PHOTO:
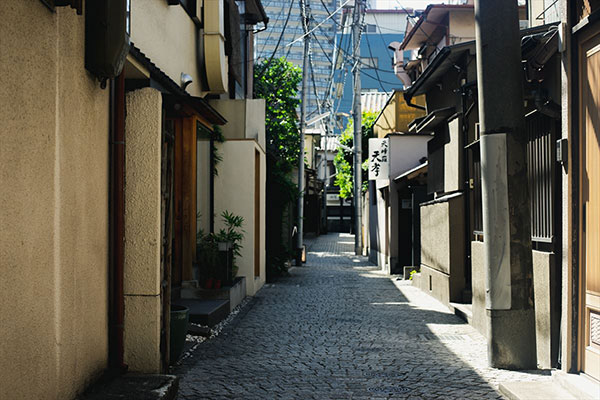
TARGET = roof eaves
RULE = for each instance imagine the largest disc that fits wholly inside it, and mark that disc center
(170, 85)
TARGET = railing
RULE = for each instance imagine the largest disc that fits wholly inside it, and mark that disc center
(541, 132)
(540, 174)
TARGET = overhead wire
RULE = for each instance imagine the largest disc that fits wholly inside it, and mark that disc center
(274, 23)
(279, 40)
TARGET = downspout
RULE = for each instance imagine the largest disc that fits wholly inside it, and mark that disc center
(409, 103)
(117, 223)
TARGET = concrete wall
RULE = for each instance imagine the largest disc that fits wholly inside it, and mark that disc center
(442, 246)
(54, 214)
(167, 35)
(478, 286)
(545, 320)
(142, 230)
(546, 323)
(234, 192)
(453, 160)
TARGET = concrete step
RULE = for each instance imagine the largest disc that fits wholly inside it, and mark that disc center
(582, 386)
(547, 390)
(563, 386)
(134, 387)
(464, 311)
(206, 312)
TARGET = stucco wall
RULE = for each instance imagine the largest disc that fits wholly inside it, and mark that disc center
(167, 35)
(234, 192)
(142, 230)
(54, 214)
(462, 26)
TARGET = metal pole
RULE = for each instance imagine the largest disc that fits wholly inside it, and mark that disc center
(506, 214)
(357, 114)
(326, 177)
(299, 246)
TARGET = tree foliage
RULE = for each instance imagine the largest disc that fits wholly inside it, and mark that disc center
(277, 82)
(344, 161)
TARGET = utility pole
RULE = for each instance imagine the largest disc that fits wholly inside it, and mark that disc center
(326, 169)
(506, 214)
(304, 9)
(357, 114)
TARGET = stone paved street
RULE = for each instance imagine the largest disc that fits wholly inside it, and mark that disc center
(338, 329)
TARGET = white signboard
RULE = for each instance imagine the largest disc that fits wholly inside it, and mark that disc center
(379, 159)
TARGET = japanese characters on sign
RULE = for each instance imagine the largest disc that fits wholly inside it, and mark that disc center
(379, 159)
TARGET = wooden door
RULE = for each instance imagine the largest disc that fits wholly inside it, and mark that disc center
(184, 200)
(589, 90)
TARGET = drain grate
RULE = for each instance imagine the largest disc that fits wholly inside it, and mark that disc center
(388, 389)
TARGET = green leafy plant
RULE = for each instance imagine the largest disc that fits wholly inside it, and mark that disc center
(207, 244)
(343, 160)
(413, 273)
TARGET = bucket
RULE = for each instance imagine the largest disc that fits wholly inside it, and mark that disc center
(179, 325)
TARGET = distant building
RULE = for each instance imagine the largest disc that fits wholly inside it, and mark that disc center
(380, 29)
(321, 43)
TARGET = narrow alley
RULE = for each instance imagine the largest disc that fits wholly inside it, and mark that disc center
(338, 328)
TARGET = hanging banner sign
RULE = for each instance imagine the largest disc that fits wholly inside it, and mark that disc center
(379, 159)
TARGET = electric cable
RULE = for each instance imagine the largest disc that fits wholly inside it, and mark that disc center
(279, 40)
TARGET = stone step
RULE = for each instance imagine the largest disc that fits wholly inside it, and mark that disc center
(206, 312)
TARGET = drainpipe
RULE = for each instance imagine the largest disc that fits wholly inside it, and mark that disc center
(117, 222)
(408, 99)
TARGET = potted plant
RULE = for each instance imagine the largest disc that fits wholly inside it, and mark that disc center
(217, 252)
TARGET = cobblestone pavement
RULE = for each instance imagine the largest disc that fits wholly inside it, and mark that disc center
(338, 329)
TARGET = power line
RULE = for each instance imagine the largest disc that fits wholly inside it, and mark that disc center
(272, 30)
(279, 40)
(320, 23)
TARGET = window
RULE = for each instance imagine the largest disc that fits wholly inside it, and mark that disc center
(371, 28)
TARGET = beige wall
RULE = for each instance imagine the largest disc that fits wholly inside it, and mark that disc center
(142, 230)
(54, 214)
(245, 119)
(167, 35)
(234, 192)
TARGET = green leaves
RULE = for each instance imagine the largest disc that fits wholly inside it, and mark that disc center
(277, 82)
(343, 160)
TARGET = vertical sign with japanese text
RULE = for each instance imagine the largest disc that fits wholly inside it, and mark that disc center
(379, 159)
